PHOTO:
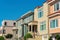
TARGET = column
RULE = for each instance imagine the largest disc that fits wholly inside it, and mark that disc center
(31, 28)
(28, 28)
(24, 30)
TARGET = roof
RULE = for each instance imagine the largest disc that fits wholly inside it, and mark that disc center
(26, 15)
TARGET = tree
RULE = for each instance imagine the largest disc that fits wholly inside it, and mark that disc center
(2, 38)
(50, 38)
(57, 37)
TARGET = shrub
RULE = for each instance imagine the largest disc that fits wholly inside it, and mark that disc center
(9, 36)
(50, 38)
(57, 37)
(28, 35)
(2, 38)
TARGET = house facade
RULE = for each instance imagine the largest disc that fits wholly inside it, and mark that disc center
(22, 23)
(9, 27)
(41, 16)
(54, 17)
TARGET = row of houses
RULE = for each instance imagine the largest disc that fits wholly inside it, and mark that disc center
(42, 23)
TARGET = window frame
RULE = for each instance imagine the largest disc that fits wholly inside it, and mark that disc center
(43, 26)
(55, 6)
(40, 12)
(55, 24)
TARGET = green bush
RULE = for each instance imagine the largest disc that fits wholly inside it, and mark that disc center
(2, 38)
(28, 35)
(50, 38)
(57, 37)
(9, 36)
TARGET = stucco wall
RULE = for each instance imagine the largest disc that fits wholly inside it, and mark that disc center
(19, 28)
(44, 18)
(55, 30)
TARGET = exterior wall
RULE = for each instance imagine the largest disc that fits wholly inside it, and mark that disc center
(36, 14)
(45, 14)
(19, 28)
(22, 23)
(51, 9)
(28, 19)
(55, 30)
(9, 23)
(9, 26)
(8, 30)
(43, 18)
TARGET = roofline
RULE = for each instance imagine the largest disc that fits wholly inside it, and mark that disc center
(29, 12)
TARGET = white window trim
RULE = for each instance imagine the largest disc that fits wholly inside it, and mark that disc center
(55, 25)
(59, 6)
(42, 23)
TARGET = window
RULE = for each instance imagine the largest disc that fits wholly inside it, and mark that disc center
(43, 26)
(16, 32)
(4, 31)
(54, 23)
(14, 24)
(56, 6)
(30, 28)
(40, 13)
(5, 23)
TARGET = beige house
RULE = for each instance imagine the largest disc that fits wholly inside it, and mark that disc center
(41, 16)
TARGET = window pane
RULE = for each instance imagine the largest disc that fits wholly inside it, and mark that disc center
(56, 23)
(43, 26)
(40, 27)
(56, 6)
(53, 23)
(40, 13)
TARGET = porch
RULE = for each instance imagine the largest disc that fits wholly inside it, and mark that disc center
(32, 28)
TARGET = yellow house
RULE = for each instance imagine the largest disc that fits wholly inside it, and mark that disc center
(41, 16)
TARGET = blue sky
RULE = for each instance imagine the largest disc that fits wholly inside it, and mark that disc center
(13, 9)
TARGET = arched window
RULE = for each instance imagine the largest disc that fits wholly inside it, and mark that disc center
(4, 31)
(5, 23)
(14, 24)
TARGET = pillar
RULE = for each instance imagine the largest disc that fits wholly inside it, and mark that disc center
(31, 28)
(28, 28)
